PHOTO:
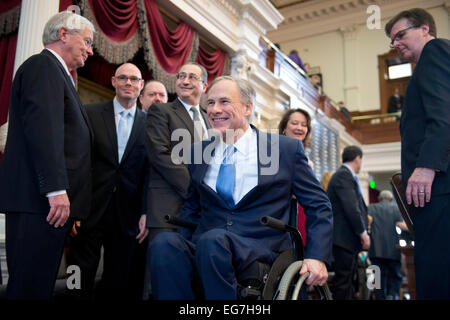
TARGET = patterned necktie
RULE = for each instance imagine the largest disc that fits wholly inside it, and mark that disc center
(198, 127)
(227, 176)
(123, 131)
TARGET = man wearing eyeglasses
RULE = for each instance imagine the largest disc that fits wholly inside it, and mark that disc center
(119, 171)
(169, 180)
(425, 134)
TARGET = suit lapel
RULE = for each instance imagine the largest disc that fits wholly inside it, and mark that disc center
(135, 131)
(183, 114)
(263, 179)
(69, 83)
(110, 125)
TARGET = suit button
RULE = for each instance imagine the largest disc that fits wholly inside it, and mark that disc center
(114, 189)
(232, 212)
(230, 223)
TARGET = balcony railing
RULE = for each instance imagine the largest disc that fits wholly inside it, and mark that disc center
(366, 128)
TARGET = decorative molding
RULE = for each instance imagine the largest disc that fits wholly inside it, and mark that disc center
(317, 17)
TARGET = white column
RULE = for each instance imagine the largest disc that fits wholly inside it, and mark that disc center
(351, 67)
(33, 17)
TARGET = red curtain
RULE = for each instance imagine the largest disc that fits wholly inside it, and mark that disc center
(7, 54)
(172, 48)
(64, 4)
(116, 18)
(6, 5)
(213, 62)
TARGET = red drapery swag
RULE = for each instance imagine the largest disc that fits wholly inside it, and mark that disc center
(214, 62)
(171, 48)
(125, 25)
(9, 22)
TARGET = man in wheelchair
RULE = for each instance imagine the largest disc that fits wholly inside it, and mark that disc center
(244, 174)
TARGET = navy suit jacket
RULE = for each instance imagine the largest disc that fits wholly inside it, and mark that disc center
(425, 121)
(127, 179)
(49, 141)
(270, 197)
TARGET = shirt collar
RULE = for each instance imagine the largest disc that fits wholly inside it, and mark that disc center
(243, 144)
(188, 106)
(60, 59)
(118, 108)
(350, 168)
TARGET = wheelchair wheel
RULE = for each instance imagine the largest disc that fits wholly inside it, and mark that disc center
(276, 272)
(291, 284)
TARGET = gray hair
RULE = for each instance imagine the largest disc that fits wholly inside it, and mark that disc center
(248, 94)
(72, 21)
(385, 195)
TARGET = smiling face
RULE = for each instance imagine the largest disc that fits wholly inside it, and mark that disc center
(190, 89)
(128, 84)
(225, 109)
(409, 41)
(77, 47)
(297, 126)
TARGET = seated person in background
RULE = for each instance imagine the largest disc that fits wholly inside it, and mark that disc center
(344, 110)
(316, 82)
(230, 190)
(296, 123)
(295, 57)
(395, 103)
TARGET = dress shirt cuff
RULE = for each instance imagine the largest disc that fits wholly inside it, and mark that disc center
(363, 233)
(56, 193)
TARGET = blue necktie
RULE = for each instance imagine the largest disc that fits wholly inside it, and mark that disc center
(123, 132)
(227, 176)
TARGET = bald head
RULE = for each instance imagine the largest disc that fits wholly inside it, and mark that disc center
(128, 84)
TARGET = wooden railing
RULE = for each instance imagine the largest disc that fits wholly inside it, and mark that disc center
(368, 127)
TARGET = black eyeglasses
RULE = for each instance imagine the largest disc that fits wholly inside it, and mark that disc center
(124, 79)
(190, 76)
(399, 35)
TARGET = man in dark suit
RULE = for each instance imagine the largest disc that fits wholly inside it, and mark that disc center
(425, 134)
(119, 171)
(350, 222)
(153, 92)
(243, 175)
(395, 102)
(45, 177)
(170, 179)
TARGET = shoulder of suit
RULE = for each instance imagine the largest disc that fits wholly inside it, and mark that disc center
(92, 107)
(41, 61)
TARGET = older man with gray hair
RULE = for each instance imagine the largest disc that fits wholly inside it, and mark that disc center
(45, 174)
(384, 239)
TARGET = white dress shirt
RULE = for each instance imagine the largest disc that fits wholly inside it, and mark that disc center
(246, 163)
(191, 114)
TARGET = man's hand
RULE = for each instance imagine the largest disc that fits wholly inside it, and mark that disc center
(365, 241)
(59, 210)
(419, 186)
(318, 273)
(143, 231)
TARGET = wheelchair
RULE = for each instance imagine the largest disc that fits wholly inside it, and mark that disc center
(279, 281)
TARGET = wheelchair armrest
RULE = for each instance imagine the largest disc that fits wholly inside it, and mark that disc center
(180, 222)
